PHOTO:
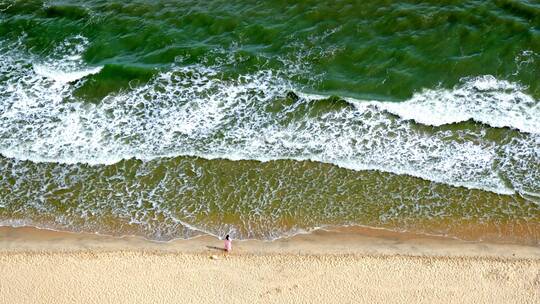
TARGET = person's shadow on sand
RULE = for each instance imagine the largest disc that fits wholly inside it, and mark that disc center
(216, 248)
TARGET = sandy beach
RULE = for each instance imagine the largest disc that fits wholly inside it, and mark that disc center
(353, 265)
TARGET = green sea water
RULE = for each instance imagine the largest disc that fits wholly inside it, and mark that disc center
(168, 119)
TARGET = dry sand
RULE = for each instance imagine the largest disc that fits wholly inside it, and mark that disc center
(352, 265)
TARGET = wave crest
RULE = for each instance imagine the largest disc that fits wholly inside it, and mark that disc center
(485, 99)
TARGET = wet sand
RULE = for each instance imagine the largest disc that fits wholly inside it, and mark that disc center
(347, 265)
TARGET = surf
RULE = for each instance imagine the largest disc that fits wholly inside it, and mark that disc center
(193, 111)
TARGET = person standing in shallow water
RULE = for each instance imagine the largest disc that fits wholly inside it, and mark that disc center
(228, 243)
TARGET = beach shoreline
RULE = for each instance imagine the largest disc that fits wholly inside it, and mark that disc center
(346, 265)
(356, 240)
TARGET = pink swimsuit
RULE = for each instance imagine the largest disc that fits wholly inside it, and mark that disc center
(228, 245)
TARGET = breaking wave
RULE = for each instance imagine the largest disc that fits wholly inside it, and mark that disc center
(196, 110)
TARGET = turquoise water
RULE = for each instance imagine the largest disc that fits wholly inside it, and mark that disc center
(262, 119)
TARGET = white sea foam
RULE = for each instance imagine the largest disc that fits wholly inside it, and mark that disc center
(190, 110)
(484, 99)
(64, 76)
(67, 64)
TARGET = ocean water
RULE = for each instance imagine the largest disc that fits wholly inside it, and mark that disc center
(262, 119)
